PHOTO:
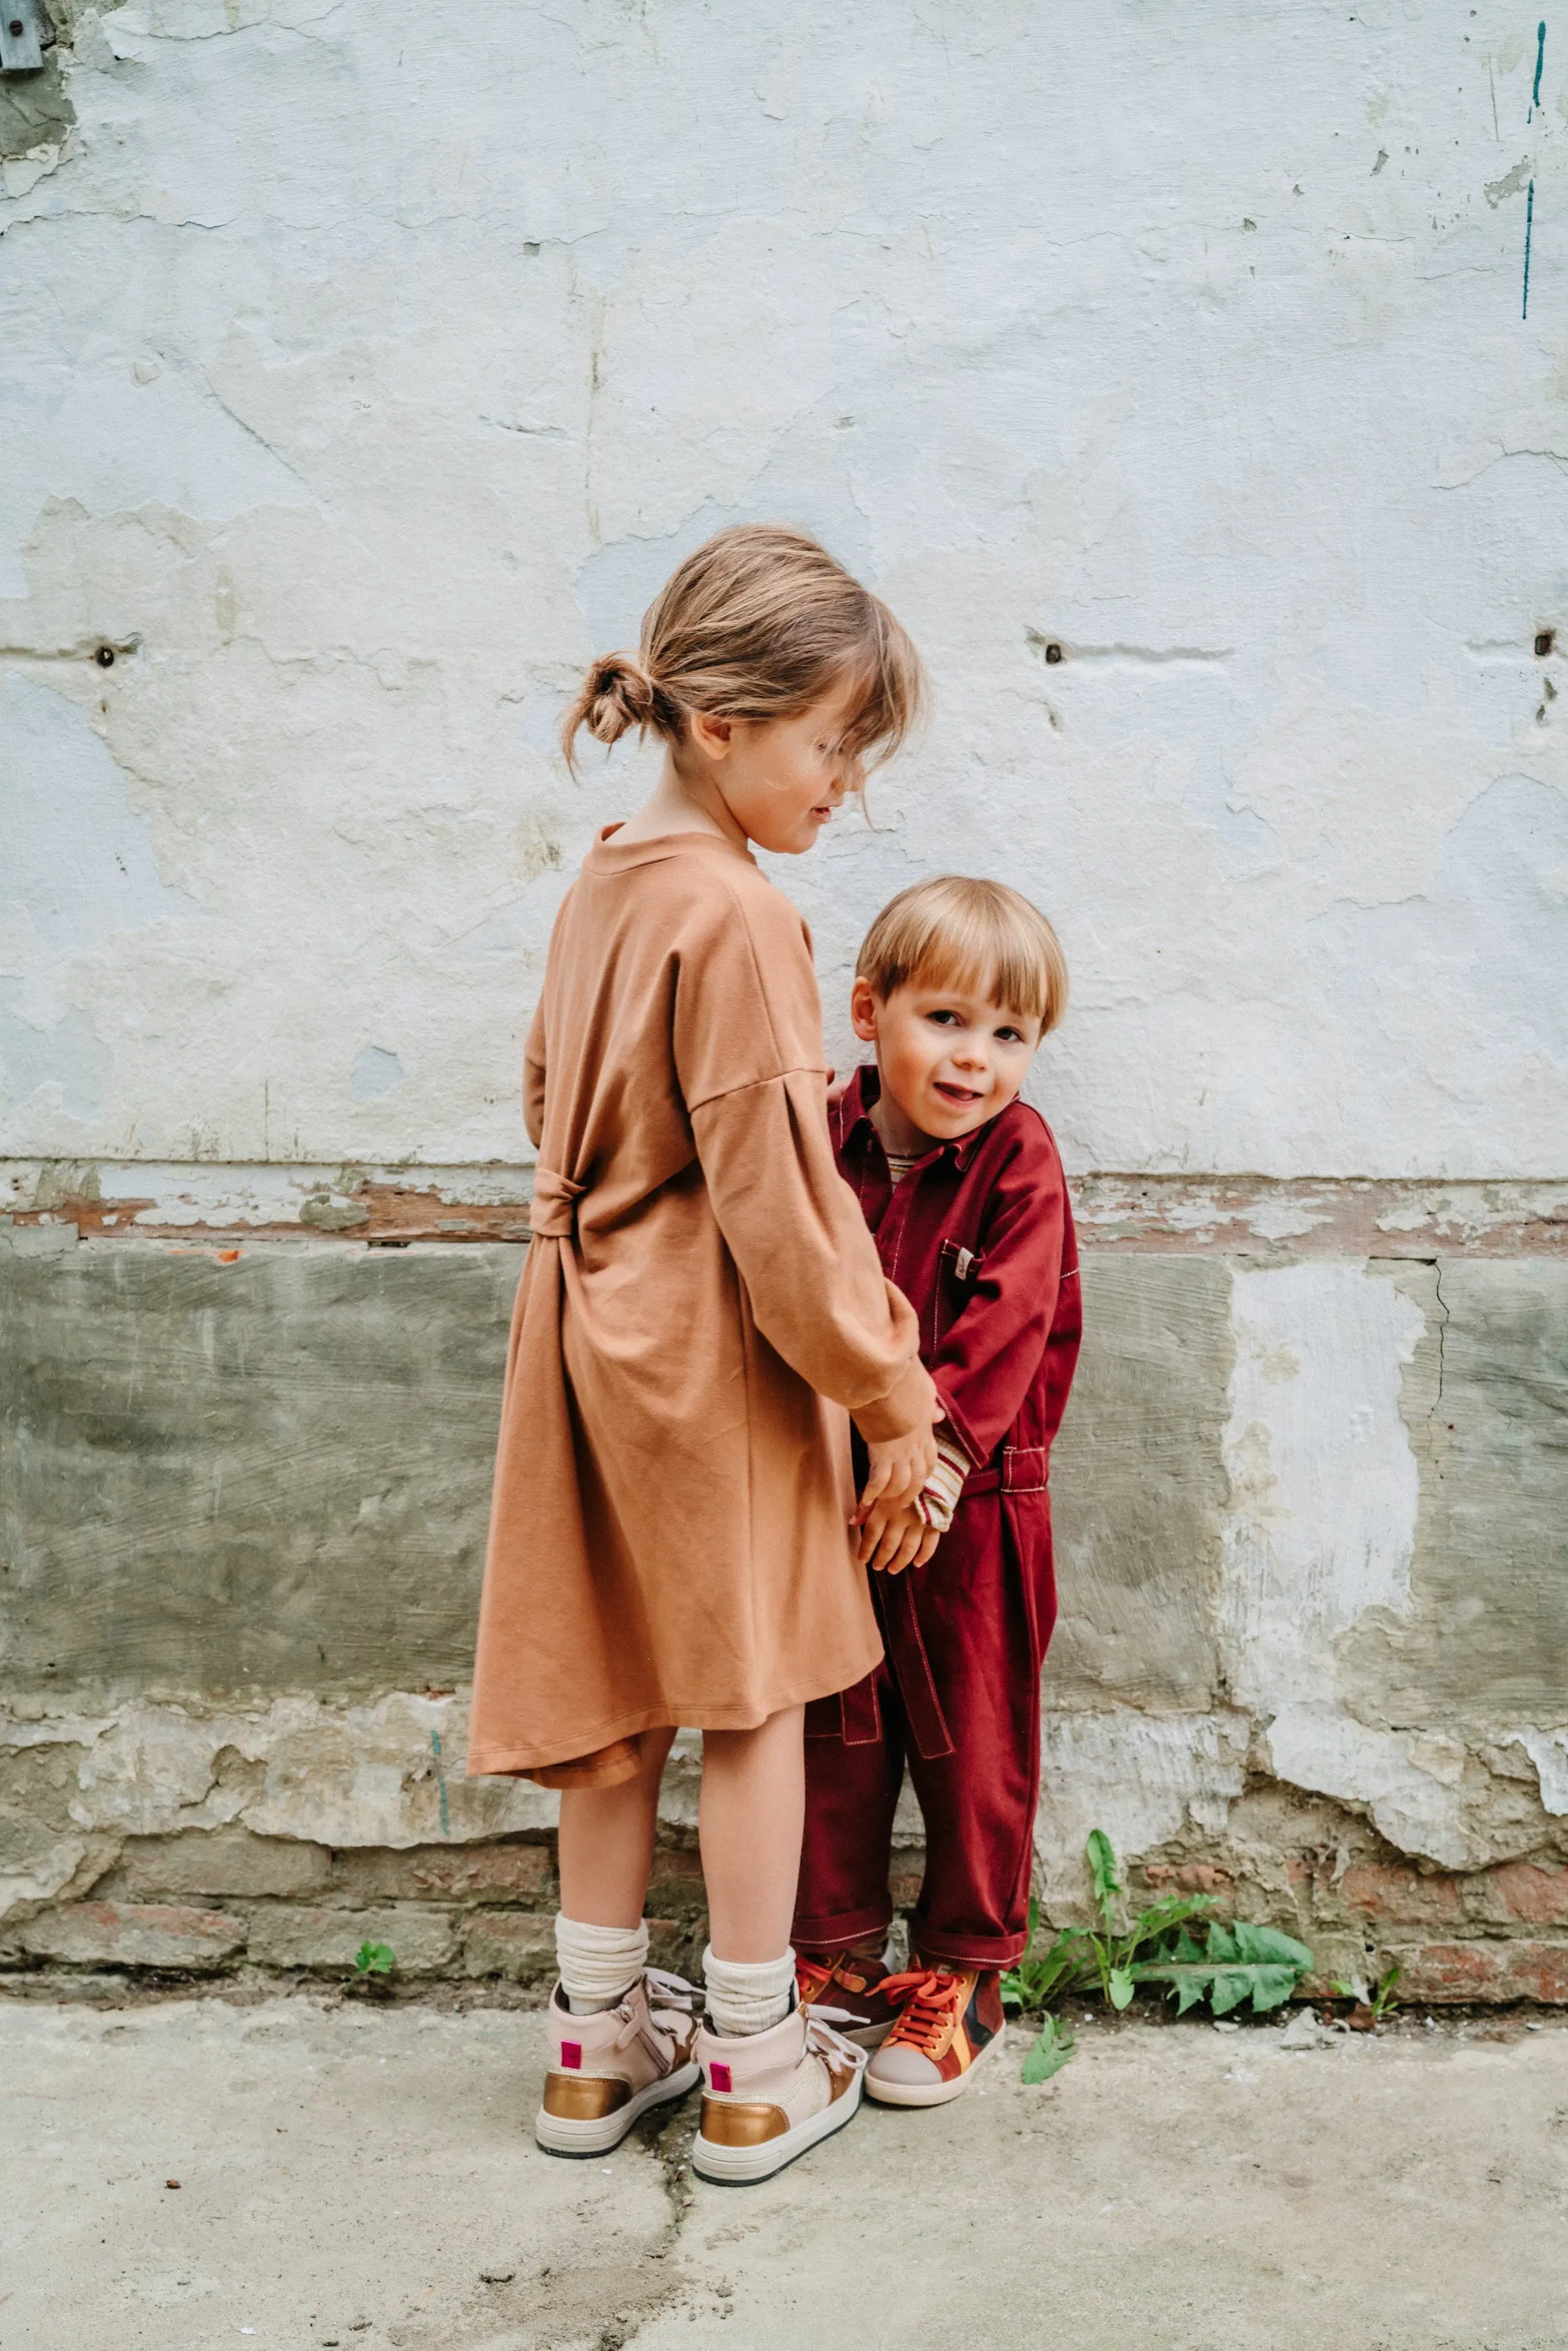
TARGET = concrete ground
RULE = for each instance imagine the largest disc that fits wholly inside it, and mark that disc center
(365, 2178)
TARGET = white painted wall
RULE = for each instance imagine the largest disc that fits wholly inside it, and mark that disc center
(372, 365)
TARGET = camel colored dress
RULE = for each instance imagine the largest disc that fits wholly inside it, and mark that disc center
(701, 1302)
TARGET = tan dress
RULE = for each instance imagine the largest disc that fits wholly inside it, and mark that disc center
(700, 1303)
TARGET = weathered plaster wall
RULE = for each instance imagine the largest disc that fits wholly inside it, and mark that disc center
(366, 372)
(362, 374)
(1313, 1637)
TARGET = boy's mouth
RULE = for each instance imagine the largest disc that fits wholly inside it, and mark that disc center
(960, 1097)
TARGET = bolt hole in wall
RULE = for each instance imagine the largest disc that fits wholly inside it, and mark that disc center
(1545, 641)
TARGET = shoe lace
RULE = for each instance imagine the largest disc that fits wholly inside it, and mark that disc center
(811, 1976)
(929, 2005)
(669, 2005)
(821, 2040)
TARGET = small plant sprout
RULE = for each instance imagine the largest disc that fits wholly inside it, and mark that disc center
(1054, 2048)
(1228, 1967)
(1374, 2002)
(375, 1959)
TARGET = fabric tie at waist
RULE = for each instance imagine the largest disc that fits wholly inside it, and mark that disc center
(552, 1215)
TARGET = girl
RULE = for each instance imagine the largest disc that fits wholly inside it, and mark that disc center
(701, 1306)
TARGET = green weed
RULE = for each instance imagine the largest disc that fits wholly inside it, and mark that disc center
(1381, 1999)
(1226, 1967)
(1053, 2049)
(375, 1959)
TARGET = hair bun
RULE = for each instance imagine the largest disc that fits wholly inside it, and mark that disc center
(620, 694)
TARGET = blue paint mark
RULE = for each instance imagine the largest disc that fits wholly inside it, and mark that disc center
(1540, 62)
(440, 1782)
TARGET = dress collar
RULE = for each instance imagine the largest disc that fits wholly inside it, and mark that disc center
(610, 856)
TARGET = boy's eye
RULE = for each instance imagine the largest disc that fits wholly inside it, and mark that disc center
(1011, 1036)
(948, 1020)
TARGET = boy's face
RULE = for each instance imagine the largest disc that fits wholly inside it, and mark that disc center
(949, 1058)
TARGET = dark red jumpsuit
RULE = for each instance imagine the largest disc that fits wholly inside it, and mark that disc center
(979, 1237)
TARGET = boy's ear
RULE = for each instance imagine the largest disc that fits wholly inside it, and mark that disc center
(863, 1009)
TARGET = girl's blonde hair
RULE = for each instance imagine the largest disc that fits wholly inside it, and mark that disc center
(759, 623)
(955, 931)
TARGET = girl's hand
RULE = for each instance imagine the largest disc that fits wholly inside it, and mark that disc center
(891, 1541)
(900, 1467)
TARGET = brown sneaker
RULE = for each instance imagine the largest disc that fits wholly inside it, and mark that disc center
(849, 1982)
(947, 2022)
(769, 2096)
(608, 2068)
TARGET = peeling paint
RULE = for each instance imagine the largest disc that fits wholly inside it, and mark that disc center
(370, 397)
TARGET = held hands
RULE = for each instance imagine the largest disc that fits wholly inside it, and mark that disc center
(892, 1540)
(900, 1467)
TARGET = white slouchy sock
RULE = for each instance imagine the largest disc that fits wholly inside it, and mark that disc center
(598, 1964)
(746, 1995)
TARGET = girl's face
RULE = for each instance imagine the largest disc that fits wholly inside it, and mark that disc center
(780, 779)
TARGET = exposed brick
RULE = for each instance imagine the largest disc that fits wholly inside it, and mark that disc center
(1405, 1897)
(517, 1944)
(289, 1934)
(501, 1869)
(1485, 1971)
(229, 1862)
(676, 1885)
(132, 1935)
(1533, 1895)
(676, 1943)
(1188, 1877)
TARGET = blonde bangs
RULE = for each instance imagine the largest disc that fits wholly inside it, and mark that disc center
(980, 937)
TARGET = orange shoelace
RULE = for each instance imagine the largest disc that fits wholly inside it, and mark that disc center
(812, 1979)
(932, 2004)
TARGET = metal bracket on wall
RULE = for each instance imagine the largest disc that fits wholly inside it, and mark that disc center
(26, 32)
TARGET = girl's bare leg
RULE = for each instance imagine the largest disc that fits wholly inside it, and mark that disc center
(607, 1843)
(750, 1821)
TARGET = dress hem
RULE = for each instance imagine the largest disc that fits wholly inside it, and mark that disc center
(488, 1761)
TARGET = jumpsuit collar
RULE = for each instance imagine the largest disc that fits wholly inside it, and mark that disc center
(865, 1087)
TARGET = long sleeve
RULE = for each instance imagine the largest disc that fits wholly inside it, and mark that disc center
(799, 1241)
(984, 1365)
(749, 1056)
(534, 1077)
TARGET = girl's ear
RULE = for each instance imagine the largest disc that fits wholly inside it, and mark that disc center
(714, 737)
(863, 1008)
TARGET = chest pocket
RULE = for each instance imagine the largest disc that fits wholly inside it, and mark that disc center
(955, 1270)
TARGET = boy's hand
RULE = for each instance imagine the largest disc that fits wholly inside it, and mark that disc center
(891, 1541)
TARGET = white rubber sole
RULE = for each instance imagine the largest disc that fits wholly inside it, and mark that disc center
(933, 2094)
(738, 2166)
(557, 2135)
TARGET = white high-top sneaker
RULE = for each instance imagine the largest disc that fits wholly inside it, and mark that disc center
(769, 2096)
(608, 2068)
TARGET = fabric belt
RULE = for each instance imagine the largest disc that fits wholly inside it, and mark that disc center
(552, 1215)
(1023, 1469)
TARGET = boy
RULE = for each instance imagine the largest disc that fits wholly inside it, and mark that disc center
(962, 1185)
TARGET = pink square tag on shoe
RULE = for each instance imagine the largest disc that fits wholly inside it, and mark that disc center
(572, 2054)
(719, 2077)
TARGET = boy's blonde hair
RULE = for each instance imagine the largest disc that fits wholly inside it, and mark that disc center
(955, 931)
(759, 623)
